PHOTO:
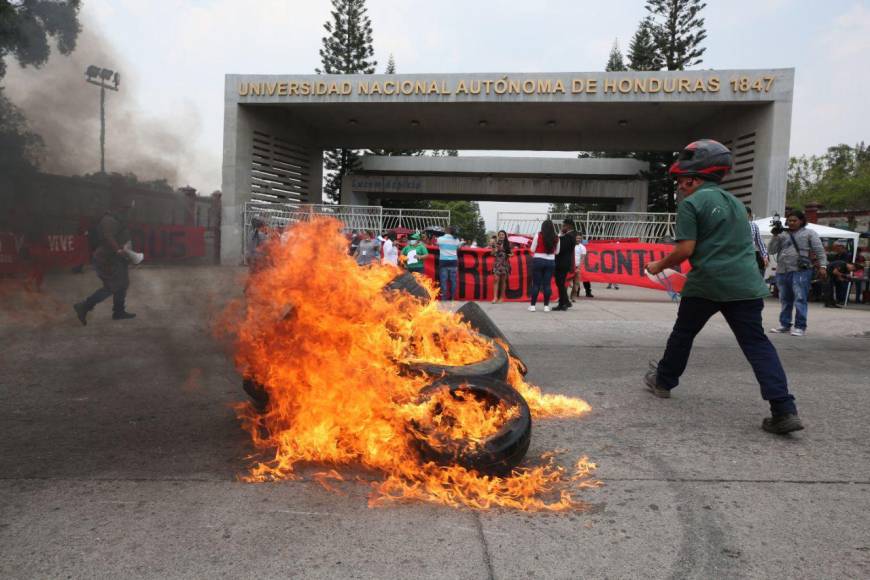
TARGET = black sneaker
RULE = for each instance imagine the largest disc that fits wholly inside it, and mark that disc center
(123, 316)
(652, 385)
(590, 295)
(782, 424)
(559, 308)
(81, 312)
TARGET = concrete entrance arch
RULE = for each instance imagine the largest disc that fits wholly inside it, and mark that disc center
(498, 179)
(276, 126)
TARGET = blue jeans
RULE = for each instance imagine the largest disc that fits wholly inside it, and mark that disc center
(447, 273)
(793, 290)
(744, 318)
(542, 274)
(118, 298)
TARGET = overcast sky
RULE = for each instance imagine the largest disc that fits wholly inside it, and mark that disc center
(173, 54)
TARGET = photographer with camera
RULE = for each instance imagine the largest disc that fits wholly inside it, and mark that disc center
(798, 253)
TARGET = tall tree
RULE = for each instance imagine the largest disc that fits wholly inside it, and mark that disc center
(391, 65)
(670, 36)
(20, 148)
(839, 179)
(643, 54)
(615, 62)
(347, 49)
(679, 31)
(661, 192)
(25, 28)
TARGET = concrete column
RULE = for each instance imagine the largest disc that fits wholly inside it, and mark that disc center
(236, 184)
(239, 125)
(772, 182)
(315, 194)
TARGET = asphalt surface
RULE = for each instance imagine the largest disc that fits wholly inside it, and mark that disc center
(120, 454)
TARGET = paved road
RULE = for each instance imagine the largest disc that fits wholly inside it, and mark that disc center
(120, 454)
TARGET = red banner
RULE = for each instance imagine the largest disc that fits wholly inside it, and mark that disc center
(159, 243)
(20, 254)
(608, 262)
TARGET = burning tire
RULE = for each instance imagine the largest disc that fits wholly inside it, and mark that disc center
(499, 452)
(480, 321)
(405, 282)
(495, 367)
(258, 394)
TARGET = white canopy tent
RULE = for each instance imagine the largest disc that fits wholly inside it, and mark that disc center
(823, 231)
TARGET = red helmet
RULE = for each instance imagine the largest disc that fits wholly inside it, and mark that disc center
(706, 159)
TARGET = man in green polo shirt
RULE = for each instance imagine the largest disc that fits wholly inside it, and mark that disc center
(713, 234)
(414, 254)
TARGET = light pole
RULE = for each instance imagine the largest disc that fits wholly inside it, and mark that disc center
(100, 76)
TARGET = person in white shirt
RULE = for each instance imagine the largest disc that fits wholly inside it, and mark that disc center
(391, 252)
(545, 246)
(579, 257)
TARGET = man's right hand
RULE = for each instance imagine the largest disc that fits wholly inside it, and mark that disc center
(655, 267)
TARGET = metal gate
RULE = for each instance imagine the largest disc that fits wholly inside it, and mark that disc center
(353, 217)
(597, 225)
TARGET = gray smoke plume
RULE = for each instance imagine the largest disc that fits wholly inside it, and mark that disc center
(65, 110)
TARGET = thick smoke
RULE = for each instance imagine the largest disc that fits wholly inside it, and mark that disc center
(65, 110)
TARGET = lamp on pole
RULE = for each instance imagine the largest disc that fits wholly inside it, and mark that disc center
(100, 77)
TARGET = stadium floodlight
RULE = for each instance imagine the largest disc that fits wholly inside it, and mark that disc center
(100, 76)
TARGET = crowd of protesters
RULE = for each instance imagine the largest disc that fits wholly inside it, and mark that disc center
(804, 270)
(554, 254)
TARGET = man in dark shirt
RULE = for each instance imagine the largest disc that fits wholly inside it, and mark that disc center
(565, 262)
(839, 273)
(110, 261)
(713, 234)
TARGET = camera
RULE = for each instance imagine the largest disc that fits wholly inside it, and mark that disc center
(776, 226)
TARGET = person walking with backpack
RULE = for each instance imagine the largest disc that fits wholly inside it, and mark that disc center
(713, 234)
(797, 250)
(110, 261)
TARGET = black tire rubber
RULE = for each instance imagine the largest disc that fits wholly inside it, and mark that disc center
(501, 452)
(258, 394)
(495, 367)
(405, 282)
(480, 321)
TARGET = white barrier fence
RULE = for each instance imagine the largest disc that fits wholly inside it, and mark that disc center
(354, 217)
(597, 225)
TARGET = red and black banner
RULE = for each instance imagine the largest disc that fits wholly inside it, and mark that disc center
(607, 262)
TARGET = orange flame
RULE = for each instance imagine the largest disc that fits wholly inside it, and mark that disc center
(331, 348)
